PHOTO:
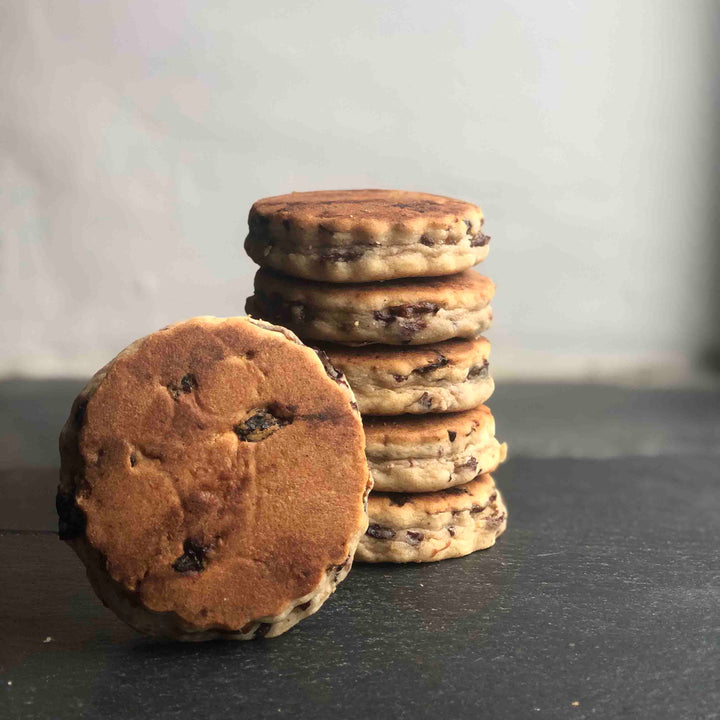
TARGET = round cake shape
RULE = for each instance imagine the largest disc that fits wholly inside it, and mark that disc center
(413, 311)
(423, 453)
(427, 527)
(213, 480)
(364, 235)
(438, 378)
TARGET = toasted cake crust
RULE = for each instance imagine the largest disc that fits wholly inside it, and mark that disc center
(400, 312)
(442, 377)
(395, 436)
(427, 527)
(362, 235)
(424, 453)
(186, 468)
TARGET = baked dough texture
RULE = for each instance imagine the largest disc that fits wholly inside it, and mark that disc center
(400, 312)
(213, 480)
(428, 527)
(423, 453)
(365, 235)
(442, 377)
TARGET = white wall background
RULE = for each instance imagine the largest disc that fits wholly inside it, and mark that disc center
(135, 135)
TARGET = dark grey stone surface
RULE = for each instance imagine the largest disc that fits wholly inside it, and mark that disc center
(602, 600)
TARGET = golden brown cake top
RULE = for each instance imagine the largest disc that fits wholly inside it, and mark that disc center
(373, 210)
(403, 509)
(406, 359)
(426, 429)
(219, 468)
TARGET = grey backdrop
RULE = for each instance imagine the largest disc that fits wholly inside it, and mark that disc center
(135, 135)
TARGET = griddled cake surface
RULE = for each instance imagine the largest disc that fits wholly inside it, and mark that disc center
(217, 468)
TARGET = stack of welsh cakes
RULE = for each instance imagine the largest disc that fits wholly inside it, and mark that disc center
(381, 281)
